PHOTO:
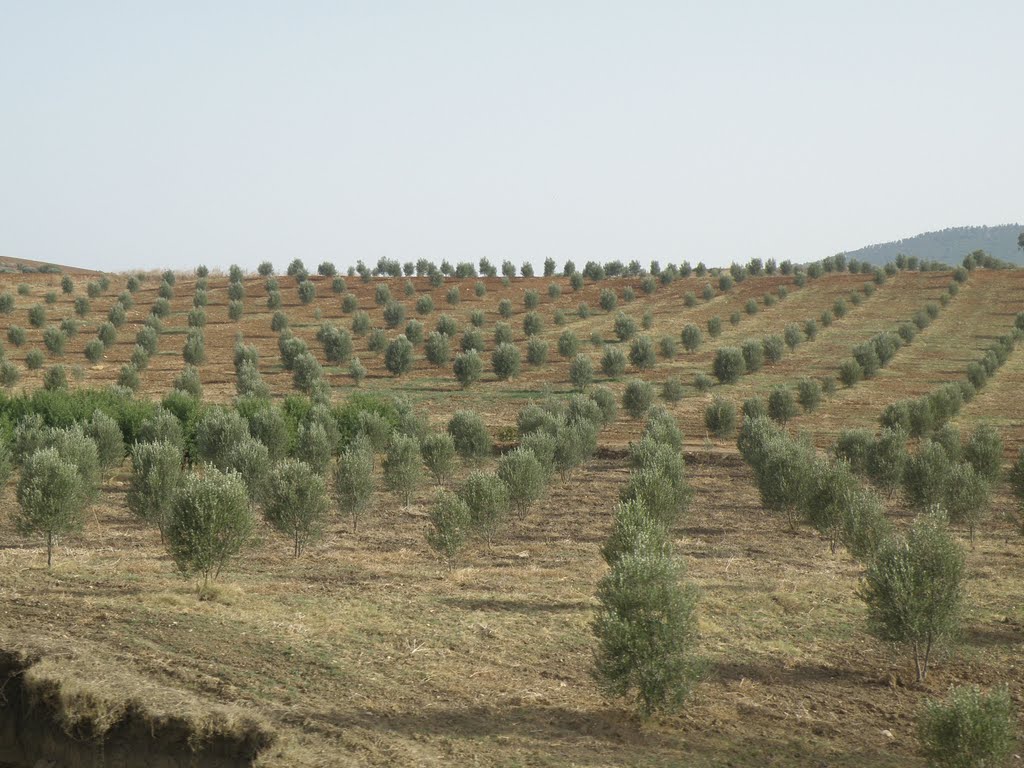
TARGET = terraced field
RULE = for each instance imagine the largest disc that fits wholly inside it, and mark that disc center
(366, 651)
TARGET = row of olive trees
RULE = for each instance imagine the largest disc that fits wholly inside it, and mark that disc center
(555, 437)
(913, 583)
(646, 622)
(944, 472)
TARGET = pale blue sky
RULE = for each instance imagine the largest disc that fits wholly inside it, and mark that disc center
(144, 134)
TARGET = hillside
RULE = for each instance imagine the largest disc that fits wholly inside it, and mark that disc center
(949, 245)
(365, 649)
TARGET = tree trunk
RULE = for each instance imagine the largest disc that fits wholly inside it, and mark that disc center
(49, 549)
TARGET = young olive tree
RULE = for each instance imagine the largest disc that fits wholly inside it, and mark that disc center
(525, 477)
(646, 627)
(438, 451)
(403, 467)
(487, 498)
(970, 729)
(51, 498)
(210, 522)
(472, 440)
(296, 502)
(450, 523)
(913, 589)
(156, 475)
(353, 481)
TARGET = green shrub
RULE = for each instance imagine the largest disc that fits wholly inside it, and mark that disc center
(607, 299)
(855, 447)
(781, 404)
(210, 522)
(581, 372)
(625, 327)
(487, 498)
(468, 367)
(970, 729)
(720, 417)
(913, 589)
(51, 498)
(729, 365)
(403, 467)
(984, 452)
(450, 524)
(505, 361)
(156, 476)
(641, 353)
(532, 324)
(295, 503)
(524, 477)
(926, 476)
(34, 360)
(394, 314)
(967, 497)
(774, 348)
(637, 398)
(714, 328)
(189, 381)
(437, 349)
(502, 334)
(867, 359)
(850, 372)
(55, 378)
(9, 373)
(398, 356)
(634, 531)
(753, 355)
(16, 335)
(692, 337)
(568, 344)
(447, 326)
(536, 351)
(472, 440)
(353, 481)
(646, 627)
(672, 390)
(438, 453)
(37, 316)
(217, 429)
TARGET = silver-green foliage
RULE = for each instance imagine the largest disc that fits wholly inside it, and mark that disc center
(296, 502)
(156, 475)
(353, 481)
(51, 498)
(210, 522)
(646, 627)
(524, 476)
(450, 523)
(403, 467)
(970, 729)
(913, 589)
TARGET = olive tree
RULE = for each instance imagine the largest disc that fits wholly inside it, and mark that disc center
(634, 530)
(913, 589)
(156, 475)
(438, 451)
(105, 432)
(470, 435)
(487, 497)
(637, 398)
(295, 502)
(646, 627)
(51, 498)
(525, 477)
(729, 365)
(970, 729)
(450, 524)
(403, 467)
(353, 481)
(210, 522)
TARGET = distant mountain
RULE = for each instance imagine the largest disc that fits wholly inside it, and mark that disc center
(949, 245)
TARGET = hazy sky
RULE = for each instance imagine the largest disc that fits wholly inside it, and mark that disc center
(145, 134)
